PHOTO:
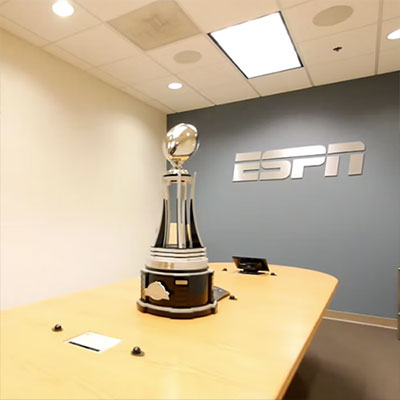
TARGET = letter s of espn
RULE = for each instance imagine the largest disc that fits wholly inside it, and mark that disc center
(275, 165)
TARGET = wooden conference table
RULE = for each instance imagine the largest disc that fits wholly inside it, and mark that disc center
(250, 349)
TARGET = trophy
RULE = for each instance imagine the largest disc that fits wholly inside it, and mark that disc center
(176, 281)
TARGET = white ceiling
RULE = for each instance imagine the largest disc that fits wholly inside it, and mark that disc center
(87, 41)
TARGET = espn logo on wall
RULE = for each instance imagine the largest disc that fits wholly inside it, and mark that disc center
(282, 163)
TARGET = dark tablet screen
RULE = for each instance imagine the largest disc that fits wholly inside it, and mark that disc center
(251, 264)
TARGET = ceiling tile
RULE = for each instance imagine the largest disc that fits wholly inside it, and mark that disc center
(291, 3)
(354, 43)
(286, 81)
(343, 70)
(37, 17)
(145, 99)
(210, 17)
(300, 18)
(85, 41)
(158, 88)
(220, 83)
(209, 52)
(135, 93)
(223, 72)
(161, 107)
(388, 27)
(99, 45)
(389, 55)
(188, 102)
(155, 25)
(391, 9)
(68, 57)
(389, 61)
(98, 73)
(177, 100)
(135, 69)
(21, 32)
(229, 92)
(109, 9)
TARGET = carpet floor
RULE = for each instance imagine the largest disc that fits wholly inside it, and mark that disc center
(349, 362)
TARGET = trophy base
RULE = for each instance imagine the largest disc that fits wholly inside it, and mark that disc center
(177, 313)
(177, 294)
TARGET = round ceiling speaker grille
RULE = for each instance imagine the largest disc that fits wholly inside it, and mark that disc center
(333, 15)
(187, 57)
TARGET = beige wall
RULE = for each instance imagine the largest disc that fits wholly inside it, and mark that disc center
(81, 167)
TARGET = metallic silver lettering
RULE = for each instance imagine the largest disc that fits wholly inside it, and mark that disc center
(356, 160)
(254, 156)
(295, 152)
(248, 166)
(280, 170)
(332, 166)
(346, 147)
(356, 164)
(299, 164)
(247, 171)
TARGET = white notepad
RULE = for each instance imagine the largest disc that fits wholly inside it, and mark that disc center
(94, 341)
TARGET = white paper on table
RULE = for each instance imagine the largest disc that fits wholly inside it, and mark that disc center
(94, 341)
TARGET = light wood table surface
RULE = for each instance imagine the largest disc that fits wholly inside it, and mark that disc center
(250, 349)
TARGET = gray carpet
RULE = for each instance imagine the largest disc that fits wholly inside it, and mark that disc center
(349, 362)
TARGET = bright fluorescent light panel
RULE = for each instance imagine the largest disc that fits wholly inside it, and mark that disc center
(259, 47)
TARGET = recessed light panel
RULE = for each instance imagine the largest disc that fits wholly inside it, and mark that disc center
(62, 8)
(259, 47)
(175, 85)
(395, 35)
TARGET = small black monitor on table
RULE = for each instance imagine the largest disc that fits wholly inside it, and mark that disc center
(250, 265)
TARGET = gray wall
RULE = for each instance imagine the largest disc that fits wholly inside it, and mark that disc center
(348, 226)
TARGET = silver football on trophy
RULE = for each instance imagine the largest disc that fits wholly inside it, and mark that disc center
(180, 143)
